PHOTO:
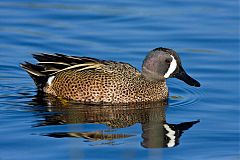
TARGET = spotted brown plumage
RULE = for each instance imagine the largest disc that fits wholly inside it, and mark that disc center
(90, 80)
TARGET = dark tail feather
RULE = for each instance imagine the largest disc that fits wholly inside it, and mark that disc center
(35, 71)
(71, 60)
(49, 64)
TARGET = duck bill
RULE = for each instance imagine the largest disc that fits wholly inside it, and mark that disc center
(182, 75)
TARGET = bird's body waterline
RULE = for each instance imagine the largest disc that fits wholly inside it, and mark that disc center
(90, 80)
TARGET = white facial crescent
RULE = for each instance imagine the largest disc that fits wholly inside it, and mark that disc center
(172, 67)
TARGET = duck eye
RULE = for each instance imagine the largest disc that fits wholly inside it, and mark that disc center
(167, 61)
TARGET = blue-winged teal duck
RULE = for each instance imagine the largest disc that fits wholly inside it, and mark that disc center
(91, 80)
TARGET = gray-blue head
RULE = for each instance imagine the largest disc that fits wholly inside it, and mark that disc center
(163, 63)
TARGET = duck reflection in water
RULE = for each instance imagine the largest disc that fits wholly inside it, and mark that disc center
(156, 132)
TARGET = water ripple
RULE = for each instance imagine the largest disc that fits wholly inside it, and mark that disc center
(183, 96)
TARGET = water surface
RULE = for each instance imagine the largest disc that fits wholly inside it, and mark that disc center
(205, 120)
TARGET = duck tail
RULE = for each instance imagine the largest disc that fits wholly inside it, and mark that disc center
(49, 65)
(35, 72)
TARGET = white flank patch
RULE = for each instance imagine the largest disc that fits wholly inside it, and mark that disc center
(172, 67)
(171, 135)
(50, 79)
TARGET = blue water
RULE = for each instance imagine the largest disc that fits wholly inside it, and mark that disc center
(206, 119)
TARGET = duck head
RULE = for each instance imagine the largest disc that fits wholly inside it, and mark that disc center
(163, 63)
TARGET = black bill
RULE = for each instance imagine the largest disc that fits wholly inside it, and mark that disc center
(182, 75)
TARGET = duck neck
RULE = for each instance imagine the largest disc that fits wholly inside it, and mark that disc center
(151, 75)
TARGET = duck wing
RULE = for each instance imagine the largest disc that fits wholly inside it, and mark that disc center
(50, 64)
